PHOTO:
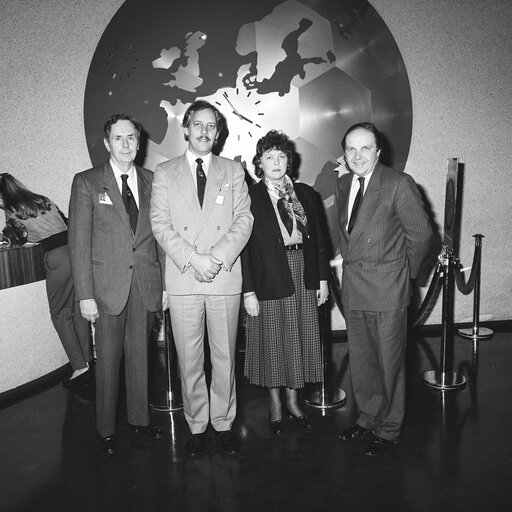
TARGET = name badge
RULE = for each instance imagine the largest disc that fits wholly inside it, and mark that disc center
(104, 199)
(219, 200)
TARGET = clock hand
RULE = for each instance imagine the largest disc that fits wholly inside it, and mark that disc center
(235, 111)
(244, 118)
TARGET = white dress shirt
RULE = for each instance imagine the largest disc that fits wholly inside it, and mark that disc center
(192, 164)
(132, 180)
(354, 189)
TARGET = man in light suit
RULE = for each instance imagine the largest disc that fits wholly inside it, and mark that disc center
(385, 235)
(117, 275)
(200, 213)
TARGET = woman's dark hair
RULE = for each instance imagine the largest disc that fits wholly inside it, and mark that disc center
(18, 200)
(274, 139)
(369, 127)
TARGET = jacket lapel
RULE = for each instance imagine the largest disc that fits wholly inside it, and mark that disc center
(188, 192)
(269, 211)
(344, 183)
(144, 187)
(213, 187)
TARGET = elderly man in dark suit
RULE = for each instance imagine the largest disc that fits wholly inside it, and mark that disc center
(385, 235)
(117, 274)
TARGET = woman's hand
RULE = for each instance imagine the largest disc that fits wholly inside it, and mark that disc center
(251, 304)
(322, 294)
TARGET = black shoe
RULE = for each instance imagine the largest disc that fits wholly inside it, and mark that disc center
(379, 446)
(148, 431)
(228, 443)
(302, 421)
(107, 445)
(82, 380)
(276, 427)
(352, 433)
(195, 444)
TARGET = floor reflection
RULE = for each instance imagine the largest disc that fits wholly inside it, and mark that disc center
(454, 453)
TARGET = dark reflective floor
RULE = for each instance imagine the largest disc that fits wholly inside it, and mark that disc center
(455, 453)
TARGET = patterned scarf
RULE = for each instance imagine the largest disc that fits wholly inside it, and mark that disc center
(288, 206)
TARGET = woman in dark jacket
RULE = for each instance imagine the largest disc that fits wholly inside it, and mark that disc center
(45, 224)
(285, 268)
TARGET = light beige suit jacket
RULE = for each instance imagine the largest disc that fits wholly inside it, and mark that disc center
(222, 227)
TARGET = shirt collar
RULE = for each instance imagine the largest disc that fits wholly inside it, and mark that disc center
(118, 172)
(191, 158)
(366, 177)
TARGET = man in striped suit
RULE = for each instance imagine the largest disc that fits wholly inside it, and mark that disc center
(384, 238)
(117, 276)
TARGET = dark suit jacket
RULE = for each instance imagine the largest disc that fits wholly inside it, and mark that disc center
(388, 243)
(105, 255)
(265, 267)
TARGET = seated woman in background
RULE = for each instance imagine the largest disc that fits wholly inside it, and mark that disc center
(46, 224)
(285, 267)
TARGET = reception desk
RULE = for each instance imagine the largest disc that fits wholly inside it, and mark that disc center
(21, 265)
(29, 345)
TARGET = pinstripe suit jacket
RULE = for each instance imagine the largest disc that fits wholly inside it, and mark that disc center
(221, 227)
(105, 254)
(388, 242)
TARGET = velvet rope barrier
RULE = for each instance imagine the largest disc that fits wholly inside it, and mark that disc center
(475, 332)
(429, 296)
(462, 286)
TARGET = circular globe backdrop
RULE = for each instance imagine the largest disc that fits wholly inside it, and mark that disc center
(309, 68)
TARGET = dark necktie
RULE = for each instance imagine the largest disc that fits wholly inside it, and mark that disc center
(355, 207)
(129, 202)
(201, 180)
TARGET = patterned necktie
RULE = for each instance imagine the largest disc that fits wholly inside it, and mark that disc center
(129, 202)
(201, 180)
(285, 215)
(355, 207)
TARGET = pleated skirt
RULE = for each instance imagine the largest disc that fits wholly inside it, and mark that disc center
(283, 341)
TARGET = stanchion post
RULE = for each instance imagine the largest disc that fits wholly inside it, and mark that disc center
(323, 396)
(477, 332)
(165, 383)
(445, 379)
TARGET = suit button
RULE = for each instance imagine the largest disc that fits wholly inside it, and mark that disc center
(346, 263)
(218, 227)
(133, 249)
(130, 267)
(369, 240)
(185, 228)
(360, 265)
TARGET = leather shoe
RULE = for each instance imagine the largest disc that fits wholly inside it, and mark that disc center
(107, 444)
(148, 431)
(228, 443)
(276, 427)
(352, 433)
(302, 421)
(379, 446)
(195, 444)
